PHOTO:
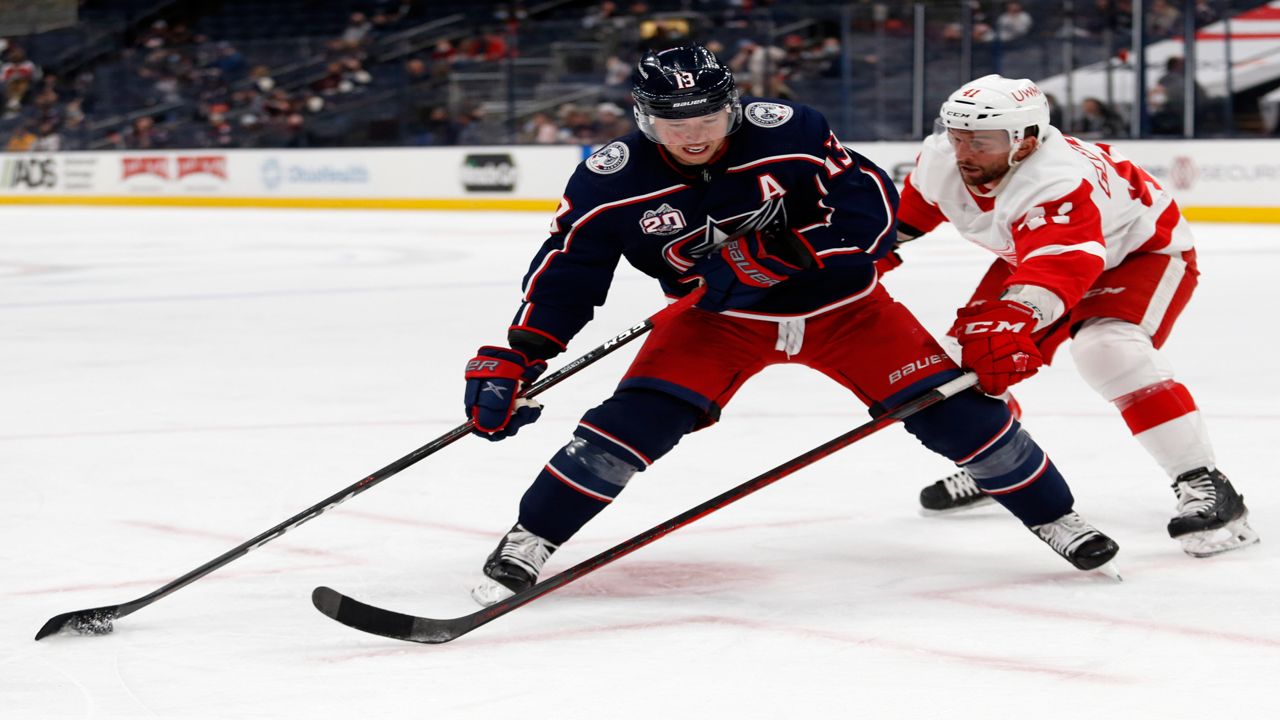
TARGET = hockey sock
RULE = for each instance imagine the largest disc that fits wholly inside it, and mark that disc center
(1015, 471)
(980, 434)
(1165, 420)
(555, 509)
(620, 437)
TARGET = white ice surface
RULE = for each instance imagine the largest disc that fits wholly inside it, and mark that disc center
(174, 382)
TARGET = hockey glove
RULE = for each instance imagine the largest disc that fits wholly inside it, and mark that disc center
(995, 342)
(495, 378)
(740, 272)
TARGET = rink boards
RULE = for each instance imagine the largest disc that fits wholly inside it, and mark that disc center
(1213, 180)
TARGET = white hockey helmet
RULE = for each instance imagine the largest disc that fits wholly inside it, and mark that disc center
(993, 102)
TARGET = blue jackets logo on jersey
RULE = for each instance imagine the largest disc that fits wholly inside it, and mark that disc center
(609, 159)
(682, 252)
(767, 114)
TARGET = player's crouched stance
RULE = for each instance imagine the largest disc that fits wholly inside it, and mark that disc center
(1090, 248)
(761, 202)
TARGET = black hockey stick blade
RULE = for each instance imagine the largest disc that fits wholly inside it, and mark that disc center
(387, 623)
(399, 626)
(98, 621)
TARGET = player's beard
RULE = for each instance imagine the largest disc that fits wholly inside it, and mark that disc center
(987, 176)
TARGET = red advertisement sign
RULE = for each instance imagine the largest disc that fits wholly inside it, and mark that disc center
(215, 165)
(154, 165)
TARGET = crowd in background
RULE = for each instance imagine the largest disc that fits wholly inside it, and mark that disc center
(198, 91)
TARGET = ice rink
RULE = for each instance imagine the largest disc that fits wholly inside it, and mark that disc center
(174, 382)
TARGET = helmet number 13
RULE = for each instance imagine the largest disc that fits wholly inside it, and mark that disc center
(684, 80)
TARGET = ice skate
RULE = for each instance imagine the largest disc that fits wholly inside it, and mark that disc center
(512, 566)
(1080, 543)
(1212, 517)
(954, 492)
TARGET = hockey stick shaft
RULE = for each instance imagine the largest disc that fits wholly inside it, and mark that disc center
(98, 620)
(426, 630)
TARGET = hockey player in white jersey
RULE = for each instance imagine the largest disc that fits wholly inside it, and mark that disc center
(1089, 248)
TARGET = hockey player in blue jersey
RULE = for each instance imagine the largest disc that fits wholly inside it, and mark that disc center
(758, 200)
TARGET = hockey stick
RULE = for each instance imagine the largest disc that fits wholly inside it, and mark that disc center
(99, 621)
(388, 623)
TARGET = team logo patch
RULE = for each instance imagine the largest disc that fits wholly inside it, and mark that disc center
(766, 114)
(666, 220)
(609, 159)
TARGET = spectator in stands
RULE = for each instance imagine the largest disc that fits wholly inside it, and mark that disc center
(296, 134)
(1055, 111)
(982, 31)
(328, 84)
(578, 124)
(46, 103)
(470, 127)
(114, 140)
(602, 18)
(144, 135)
(440, 128)
(493, 46)
(218, 131)
(416, 71)
(617, 79)
(75, 132)
(755, 65)
(611, 122)
(1168, 100)
(355, 78)
(230, 62)
(357, 30)
(1206, 12)
(154, 37)
(444, 52)
(21, 139)
(1163, 20)
(47, 137)
(1098, 120)
(1014, 23)
(541, 130)
(17, 74)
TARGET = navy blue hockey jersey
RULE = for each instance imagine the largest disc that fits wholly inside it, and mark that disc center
(630, 199)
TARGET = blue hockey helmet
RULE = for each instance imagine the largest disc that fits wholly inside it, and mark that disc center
(680, 83)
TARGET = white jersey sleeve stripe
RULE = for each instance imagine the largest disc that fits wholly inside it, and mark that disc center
(1092, 247)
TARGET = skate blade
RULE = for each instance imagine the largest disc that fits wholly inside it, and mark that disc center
(489, 592)
(1110, 570)
(1235, 535)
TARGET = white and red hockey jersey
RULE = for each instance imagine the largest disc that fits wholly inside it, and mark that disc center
(1062, 216)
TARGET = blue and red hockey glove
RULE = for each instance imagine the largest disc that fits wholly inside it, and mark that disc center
(996, 343)
(495, 378)
(740, 272)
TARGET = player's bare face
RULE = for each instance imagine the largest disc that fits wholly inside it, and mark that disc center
(693, 141)
(982, 156)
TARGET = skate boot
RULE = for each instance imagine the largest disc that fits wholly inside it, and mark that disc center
(1080, 543)
(1211, 517)
(954, 492)
(512, 566)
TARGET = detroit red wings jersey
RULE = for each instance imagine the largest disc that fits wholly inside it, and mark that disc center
(1061, 217)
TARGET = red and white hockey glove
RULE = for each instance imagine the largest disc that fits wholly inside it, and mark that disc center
(495, 378)
(995, 342)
